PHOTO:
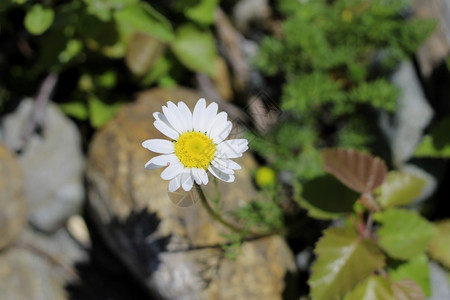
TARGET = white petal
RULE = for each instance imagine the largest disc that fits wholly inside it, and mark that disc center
(185, 123)
(222, 176)
(199, 111)
(166, 130)
(173, 117)
(174, 184)
(227, 163)
(208, 117)
(171, 171)
(197, 178)
(231, 148)
(221, 131)
(160, 117)
(161, 161)
(159, 146)
(203, 176)
(222, 168)
(186, 114)
(187, 181)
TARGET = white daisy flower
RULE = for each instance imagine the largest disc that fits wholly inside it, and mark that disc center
(198, 145)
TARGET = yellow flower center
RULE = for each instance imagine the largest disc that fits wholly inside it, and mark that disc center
(195, 150)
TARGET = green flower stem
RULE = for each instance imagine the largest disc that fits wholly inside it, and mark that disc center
(215, 215)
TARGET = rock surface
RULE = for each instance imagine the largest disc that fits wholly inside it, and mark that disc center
(175, 251)
(52, 163)
(38, 267)
(411, 118)
(13, 211)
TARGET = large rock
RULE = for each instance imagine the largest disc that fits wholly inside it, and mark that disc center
(39, 266)
(53, 165)
(13, 211)
(175, 251)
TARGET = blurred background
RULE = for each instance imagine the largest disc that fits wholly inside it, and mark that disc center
(80, 218)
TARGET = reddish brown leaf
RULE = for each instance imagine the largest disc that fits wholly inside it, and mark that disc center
(359, 171)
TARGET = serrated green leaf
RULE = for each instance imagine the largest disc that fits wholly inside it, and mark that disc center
(375, 288)
(404, 234)
(407, 289)
(439, 248)
(38, 19)
(416, 269)
(76, 109)
(326, 198)
(343, 260)
(437, 143)
(195, 49)
(100, 112)
(141, 17)
(399, 189)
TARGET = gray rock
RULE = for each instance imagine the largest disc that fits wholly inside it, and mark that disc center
(13, 210)
(38, 266)
(53, 165)
(412, 116)
(440, 286)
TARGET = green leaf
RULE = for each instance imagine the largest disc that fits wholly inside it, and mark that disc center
(437, 143)
(407, 289)
(203, 12)
(326, 198)
(195, 49)
(343, 260)
(399, 189)
(416, 269)
(38, 19)
(376, 287)
(100, 112)
(160, 68)
(76, 109)
(404, 234)
(141, 17)
(439, 248)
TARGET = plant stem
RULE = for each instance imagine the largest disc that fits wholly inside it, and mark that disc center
(369, 224)
(215, 215)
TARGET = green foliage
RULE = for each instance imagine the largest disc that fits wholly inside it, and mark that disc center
(333, 202)
(141, 17)
(439, 248)
(88, 41)
(404, 234)
(195, 49)
(437, 143)
(335, 57)
(339, 266)
(399, 189)
(416, 269)
(38, 19)
(375, 287)
(199, 11)
(264, 214)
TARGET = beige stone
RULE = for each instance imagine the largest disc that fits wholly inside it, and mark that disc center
(13, 211)
(175, 251)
